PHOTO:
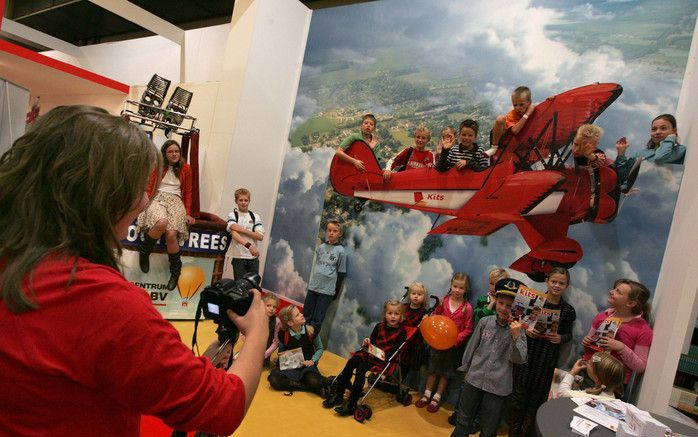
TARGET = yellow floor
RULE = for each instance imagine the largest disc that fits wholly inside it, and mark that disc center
(301, 415)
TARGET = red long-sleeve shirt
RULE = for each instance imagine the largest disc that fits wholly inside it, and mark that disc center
(96, 355)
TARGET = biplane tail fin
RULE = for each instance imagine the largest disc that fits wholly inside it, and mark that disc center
(346, 178)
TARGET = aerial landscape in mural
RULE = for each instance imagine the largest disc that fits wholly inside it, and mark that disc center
(436, 63)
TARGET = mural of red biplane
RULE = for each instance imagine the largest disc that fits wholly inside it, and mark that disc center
(531, 184)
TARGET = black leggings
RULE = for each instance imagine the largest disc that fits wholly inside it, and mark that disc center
(361, 366)
(311, 381)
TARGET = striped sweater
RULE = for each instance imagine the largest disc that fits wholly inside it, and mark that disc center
(476, 158)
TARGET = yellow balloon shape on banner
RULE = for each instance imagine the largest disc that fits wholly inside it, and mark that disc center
(190, 281)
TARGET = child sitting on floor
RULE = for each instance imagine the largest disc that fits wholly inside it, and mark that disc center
(296, 335)
(271, 302)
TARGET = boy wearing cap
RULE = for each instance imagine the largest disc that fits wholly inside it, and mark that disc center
(495, 345)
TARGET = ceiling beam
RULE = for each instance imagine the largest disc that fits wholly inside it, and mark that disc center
(143, 18)
(34, 37)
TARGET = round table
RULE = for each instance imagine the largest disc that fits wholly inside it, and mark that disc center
(553, 420)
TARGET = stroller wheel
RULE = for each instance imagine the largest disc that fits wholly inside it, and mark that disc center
(405, 399)
(362, 412)
(359, 414)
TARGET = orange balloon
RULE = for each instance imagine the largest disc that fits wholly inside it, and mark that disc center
(190, 281)
(440, 332)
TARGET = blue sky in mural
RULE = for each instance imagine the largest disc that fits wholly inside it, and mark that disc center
(438, 62)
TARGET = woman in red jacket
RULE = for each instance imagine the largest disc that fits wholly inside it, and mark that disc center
(169, 212)
(82, 350)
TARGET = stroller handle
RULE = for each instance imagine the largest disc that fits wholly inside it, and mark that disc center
(436, 303)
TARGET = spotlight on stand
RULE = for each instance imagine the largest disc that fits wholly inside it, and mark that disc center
(153, 96)
(150, 115)
(176, 108)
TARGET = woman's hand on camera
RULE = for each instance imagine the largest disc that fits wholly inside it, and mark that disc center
(255, 321)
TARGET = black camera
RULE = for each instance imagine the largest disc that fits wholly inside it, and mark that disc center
(229, 294)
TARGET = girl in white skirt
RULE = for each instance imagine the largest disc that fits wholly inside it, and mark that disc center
(169, 211)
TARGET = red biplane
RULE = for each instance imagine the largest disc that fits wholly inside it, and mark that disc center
(541, 203)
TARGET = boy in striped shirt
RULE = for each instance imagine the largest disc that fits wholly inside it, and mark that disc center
(467, 153)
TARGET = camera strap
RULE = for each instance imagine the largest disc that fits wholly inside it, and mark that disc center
(199, 310)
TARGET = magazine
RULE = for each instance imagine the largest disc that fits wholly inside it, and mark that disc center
(527, 306)
(558, 375)
(607, 413)
(291, 359)
(607, 328)
(376, 352)
(548, 321)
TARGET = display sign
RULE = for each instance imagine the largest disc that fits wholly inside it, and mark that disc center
(200, 240)
(180, 303)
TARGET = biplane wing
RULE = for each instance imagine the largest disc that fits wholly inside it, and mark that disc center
(478, 227)
(553, 124)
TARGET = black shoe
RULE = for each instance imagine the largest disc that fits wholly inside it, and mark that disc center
(144, 253)
(452, 419)
(346, 409)
(333, 401)
(175, 270)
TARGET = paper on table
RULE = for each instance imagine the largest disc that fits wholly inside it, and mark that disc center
(605, 413)
(580, 401)
(581, 426)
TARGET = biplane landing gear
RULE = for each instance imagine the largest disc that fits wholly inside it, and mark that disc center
(542, 267)
(359, 205)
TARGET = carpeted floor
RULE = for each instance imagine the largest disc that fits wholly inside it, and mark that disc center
(273, 414)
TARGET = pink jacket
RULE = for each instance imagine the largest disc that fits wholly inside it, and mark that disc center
(462, 316)
(636, 335)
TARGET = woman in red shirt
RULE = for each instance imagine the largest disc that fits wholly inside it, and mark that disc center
(83, 350)
(169, 212)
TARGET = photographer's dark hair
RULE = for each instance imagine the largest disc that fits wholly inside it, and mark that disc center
(65, 184)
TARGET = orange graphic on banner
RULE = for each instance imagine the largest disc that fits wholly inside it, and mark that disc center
(190, 282)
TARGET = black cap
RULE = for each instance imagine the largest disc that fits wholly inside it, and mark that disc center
(507, 287)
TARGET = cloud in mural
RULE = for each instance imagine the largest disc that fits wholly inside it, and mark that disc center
(282, 272)
(305, 107)
(587, 11)
(383, 258)
(348, 327)
(298, 209)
